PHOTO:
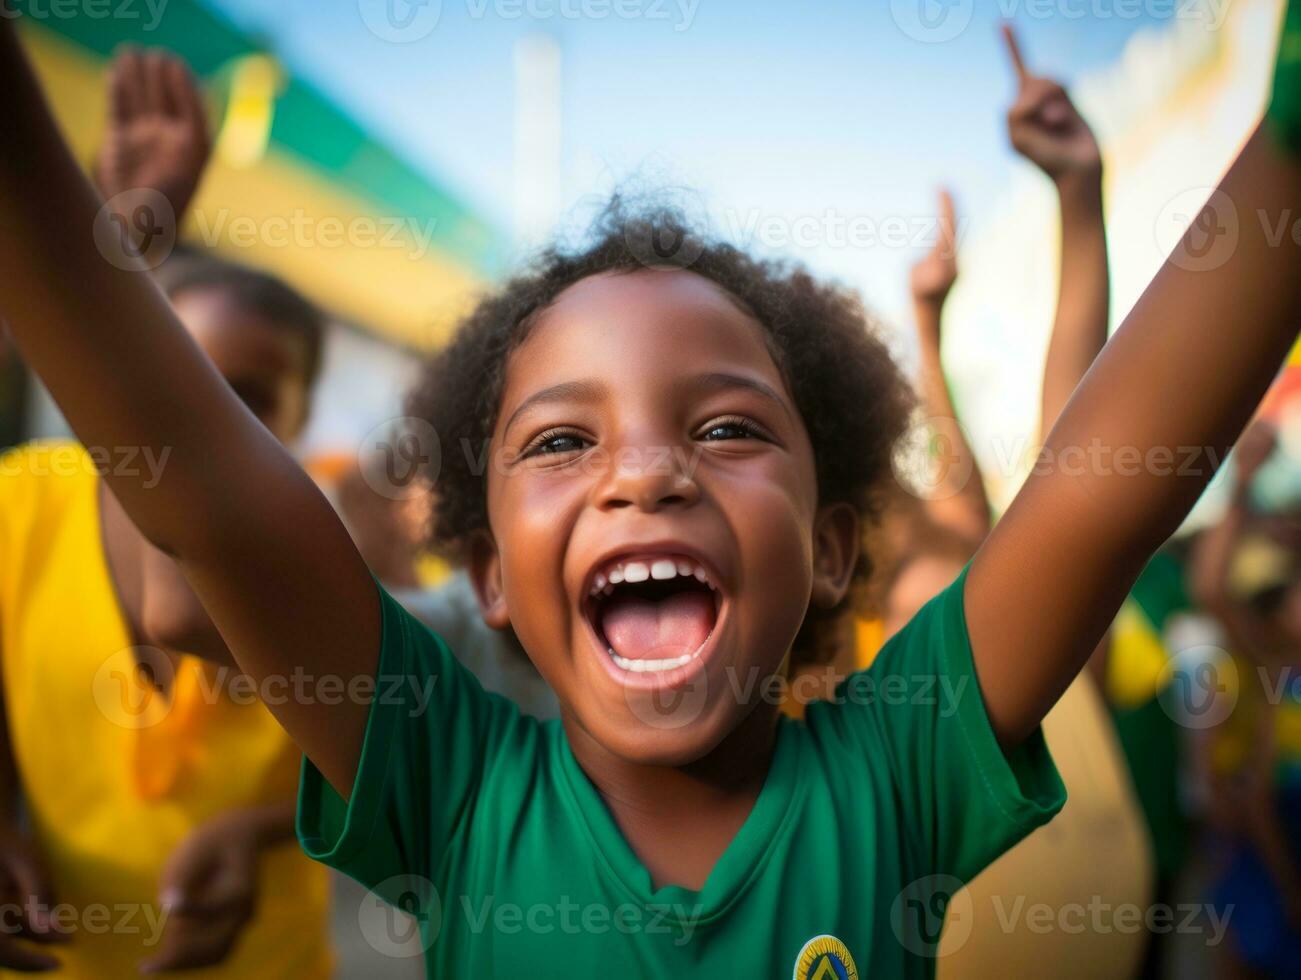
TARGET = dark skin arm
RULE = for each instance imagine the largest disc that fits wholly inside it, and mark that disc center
(231, 505)
(1045, 127)
(960, 507)
(1046, 584)
(156, 140)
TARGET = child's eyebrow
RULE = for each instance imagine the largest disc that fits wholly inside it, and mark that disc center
(723, 380)
(586, 390)
(592, 390)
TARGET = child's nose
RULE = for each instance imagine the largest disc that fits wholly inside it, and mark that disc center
(648, 478)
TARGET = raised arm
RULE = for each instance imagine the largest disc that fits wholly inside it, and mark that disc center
(263, 549)
(1046, 129)
(1137, 443)
(962, 508)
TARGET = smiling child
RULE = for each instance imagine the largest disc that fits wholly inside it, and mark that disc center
(677, 454)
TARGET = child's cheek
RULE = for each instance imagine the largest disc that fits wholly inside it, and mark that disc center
(541, 508)
(771, 501)
(533, 517)
(772, 518)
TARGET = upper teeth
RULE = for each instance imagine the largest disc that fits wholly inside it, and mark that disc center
(659, 569)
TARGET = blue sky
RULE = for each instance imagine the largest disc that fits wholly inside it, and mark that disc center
(769, 110)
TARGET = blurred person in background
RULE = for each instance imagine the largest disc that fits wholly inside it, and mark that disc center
(1247, 572)
(147, 788)
(1134, 672)
(388, 525)
(1097, 848)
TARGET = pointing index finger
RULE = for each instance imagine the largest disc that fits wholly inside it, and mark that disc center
(948, 222)
(1014, 52)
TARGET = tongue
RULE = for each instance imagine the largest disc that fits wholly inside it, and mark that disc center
(657, 629)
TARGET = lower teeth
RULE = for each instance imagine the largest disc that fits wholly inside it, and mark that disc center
(646, 666)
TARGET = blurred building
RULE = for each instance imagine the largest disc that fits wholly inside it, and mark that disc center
(296, 187)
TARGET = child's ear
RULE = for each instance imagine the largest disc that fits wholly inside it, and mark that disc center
(835, 553)
(485, 576)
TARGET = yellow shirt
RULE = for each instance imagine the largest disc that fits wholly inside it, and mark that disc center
(114, 776)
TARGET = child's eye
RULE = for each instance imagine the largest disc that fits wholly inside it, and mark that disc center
(731, 428)
(556, 444)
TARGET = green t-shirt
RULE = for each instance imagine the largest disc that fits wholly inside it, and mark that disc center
(480, 822)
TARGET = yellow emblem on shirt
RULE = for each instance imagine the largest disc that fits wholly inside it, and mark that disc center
(825, 958)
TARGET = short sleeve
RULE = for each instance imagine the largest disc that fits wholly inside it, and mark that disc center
(919, 712)
(431, 734)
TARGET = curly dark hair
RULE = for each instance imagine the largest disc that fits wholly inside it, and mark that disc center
(851, 395)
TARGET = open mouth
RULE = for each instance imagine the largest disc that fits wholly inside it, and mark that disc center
(652, 614)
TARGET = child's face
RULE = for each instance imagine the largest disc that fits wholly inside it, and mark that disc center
(262, 362)
(264, 366)
(644, 427)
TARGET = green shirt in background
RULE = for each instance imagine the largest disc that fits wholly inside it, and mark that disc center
(480, 822)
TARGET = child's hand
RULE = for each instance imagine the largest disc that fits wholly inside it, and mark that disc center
(1044, 125)
(25, 903)
(157, 134)
(934, 275)
(208, 893)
